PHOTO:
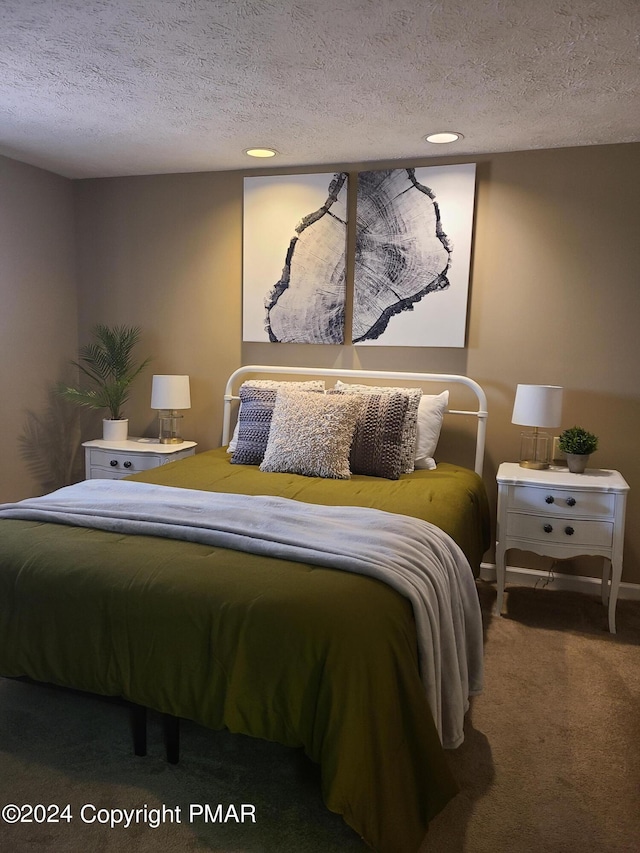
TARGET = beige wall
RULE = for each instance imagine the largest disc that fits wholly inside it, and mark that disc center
(163, 253)
(38, 321)
(554, 298)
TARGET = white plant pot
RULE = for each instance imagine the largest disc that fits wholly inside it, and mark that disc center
(115, 430)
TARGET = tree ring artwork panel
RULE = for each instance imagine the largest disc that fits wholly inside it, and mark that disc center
(414, 231)
(294, 258)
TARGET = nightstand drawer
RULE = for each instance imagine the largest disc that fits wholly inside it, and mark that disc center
(107, 474)
(546, 528)
(126, 463)
(563, 502)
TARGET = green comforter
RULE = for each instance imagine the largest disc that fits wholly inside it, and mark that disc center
(451, 497)
(306, 656)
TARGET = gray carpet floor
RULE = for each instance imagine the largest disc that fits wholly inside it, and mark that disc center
(550, 763)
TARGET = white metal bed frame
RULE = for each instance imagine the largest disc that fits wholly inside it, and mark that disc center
(480, 413)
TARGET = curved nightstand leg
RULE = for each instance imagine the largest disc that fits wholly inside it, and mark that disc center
(616, 574)
(606, 575)
(500, 577)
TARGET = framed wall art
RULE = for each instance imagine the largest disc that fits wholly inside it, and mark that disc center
(412, 257)
(294, 258)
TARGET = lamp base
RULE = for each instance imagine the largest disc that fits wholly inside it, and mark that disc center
(169, 422)
(535, 450)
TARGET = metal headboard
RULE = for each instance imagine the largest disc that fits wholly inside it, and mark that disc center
(480, 413)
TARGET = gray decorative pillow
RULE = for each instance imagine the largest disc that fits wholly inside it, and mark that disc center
(254, 422)
(257, 400)
(311, 434)
(410, 425)
(271, 384)
(377, 442)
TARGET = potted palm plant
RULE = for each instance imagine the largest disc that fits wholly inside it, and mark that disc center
(577, 444)
(109, 365)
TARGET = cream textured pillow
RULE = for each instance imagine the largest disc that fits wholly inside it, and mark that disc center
(271, 385)
(311, 434)
(430, 413)
(410, 424)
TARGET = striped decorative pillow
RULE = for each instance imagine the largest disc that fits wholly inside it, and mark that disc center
(410, 424)
(257, 399)
(377, 448)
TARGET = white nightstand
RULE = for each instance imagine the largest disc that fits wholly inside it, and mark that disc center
(105, 460)
(559, 514)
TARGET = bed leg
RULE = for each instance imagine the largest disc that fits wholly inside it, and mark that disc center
(138, 715)
(171, 727)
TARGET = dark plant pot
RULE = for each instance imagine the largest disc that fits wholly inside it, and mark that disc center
(577, 462)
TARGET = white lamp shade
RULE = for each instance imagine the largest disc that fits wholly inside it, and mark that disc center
(170, 392)
(538, 405)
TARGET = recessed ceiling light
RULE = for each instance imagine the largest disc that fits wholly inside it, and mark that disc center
(261, 152)
(446, 136)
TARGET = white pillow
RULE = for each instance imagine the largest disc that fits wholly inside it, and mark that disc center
(311, 385)
(430, 413)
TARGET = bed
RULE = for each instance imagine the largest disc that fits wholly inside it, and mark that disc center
(245, 623)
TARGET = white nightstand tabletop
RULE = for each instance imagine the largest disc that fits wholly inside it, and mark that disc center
(139, 445)
(598, 479)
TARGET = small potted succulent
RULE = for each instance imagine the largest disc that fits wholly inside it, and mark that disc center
(577, 444)
(110, 367)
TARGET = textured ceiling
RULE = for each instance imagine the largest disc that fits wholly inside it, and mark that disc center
(122, 87)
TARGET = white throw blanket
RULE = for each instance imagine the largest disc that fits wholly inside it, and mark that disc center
(414, 557)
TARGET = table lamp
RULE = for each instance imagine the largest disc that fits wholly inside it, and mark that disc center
(168, 395)
(536, 406)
